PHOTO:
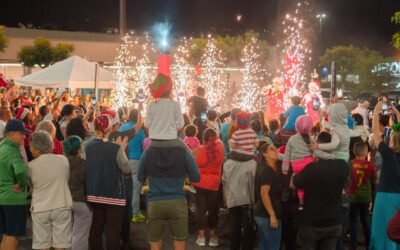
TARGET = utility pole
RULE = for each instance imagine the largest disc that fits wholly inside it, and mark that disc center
(122, 17)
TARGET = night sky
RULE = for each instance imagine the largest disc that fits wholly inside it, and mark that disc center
(360, 22)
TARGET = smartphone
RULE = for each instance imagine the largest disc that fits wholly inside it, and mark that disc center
(203, 117)
(94, 101)
(385, 106)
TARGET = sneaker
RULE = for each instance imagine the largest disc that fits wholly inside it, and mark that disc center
(201, 242)
(301, 208)
(138, 218)
(214, 242)
(141, 216)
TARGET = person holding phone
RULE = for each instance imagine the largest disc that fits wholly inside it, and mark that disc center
(268, 193)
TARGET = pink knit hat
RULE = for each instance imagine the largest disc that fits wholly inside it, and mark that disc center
(304, 124)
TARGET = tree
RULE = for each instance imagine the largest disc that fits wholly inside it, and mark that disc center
(396, 36)
(43, 54)
(3, 39)
(352, 60)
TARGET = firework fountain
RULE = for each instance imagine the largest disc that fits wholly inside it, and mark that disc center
(211, 60)
(133, 74)
(252, 76)
(295, 51)
(181, 73)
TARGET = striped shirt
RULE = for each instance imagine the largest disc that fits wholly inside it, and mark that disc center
(244, 141)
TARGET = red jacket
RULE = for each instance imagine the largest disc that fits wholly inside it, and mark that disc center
(210, 172)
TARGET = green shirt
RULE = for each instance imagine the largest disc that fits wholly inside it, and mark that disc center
(12, 171)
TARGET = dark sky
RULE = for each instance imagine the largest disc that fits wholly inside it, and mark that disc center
(360, 22)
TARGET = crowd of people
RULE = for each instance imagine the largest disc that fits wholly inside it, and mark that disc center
(82, 171)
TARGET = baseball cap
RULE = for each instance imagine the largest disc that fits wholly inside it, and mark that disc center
(15, 126)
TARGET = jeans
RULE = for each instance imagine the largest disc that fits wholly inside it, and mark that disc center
(107, 219)
(290, 223)
(269, 238)
(325, 238)
(126, 222)
(137, 186)
(81, 222)
(361, 208)
(241, 231)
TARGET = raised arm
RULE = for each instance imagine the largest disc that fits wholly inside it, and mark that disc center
(375, 124)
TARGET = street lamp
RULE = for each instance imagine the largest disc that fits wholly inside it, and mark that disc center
(320, 16)
(239, 18)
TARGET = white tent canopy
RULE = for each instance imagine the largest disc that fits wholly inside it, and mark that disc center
(73, 72)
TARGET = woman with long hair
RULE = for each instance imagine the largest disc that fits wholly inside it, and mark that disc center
(387, 199)
(268, 193)
(210, 157)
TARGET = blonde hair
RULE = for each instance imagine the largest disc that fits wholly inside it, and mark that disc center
(47, 126)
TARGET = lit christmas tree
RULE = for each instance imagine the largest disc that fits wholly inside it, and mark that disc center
(210, 62)
(248, 96)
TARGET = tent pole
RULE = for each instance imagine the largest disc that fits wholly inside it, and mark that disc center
(95, 81)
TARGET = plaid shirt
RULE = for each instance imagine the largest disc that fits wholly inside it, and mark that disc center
(58, 147)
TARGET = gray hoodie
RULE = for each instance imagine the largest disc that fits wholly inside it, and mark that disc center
(340, 132)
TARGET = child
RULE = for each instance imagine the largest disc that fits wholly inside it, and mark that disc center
(340, 133)
(360, 128)
(362, 181)
(297, 152)
(190, 137)
(212, 120)
(164, 116)
(244, 140)
(293, 113)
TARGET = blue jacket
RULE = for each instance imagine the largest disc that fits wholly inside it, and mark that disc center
(135, 146)
(166, 169)
(104, 180)
(292, 114)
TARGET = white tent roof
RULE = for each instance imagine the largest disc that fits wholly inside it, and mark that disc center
(73, 72)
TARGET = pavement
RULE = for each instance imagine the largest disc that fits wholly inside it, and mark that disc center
(139, 237)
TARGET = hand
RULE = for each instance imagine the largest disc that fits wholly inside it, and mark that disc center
(16, 188)
(378, 107)
(273, 221)
(124, 143)
(314, 146)
(393, 108)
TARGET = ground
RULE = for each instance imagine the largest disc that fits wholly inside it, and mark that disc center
(139, 242)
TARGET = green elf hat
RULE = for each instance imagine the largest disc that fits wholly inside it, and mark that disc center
(160, 86)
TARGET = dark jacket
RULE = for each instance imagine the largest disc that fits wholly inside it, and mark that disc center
(77, 178)
(166, 168)
(104, 180)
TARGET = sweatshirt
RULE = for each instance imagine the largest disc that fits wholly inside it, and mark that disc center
(166, 168)
(340, 132)
(12, 171)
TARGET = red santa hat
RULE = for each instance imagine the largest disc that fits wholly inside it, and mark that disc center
(21, 113)
(103, 123)
(112, 115)
(160, 86)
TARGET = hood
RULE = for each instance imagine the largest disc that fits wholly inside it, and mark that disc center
(338, 114)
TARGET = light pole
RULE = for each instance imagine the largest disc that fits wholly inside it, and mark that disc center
(122, 17)
(320, 16)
